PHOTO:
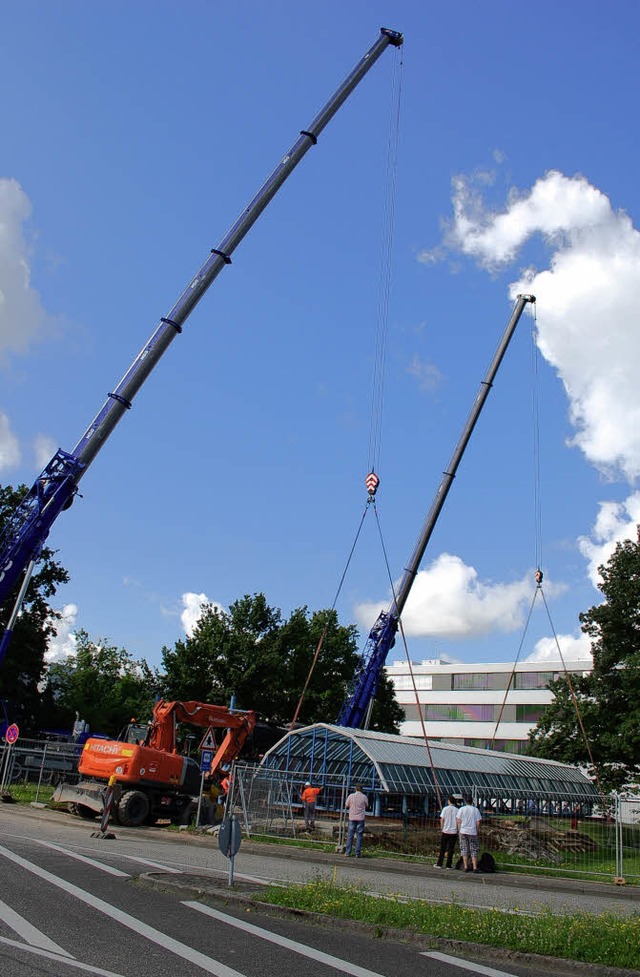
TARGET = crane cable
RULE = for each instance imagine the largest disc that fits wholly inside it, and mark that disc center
(326, 626)
(384, 289)
(409, 664)
(386, 266)
(539, 575)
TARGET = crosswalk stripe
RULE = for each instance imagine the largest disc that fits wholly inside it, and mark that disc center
(83, 858)
(28, 931)
(208, 964)
(306, 951)
(477, 968)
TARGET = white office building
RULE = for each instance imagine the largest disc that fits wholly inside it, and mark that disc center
(462, 703)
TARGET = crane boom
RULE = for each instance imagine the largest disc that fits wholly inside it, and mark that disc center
(381, 638)
(53, 491)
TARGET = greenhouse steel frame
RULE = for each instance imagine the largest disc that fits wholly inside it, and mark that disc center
(403, 776)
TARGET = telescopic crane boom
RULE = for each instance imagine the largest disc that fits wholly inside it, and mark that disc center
(54, 489)
(356, 708)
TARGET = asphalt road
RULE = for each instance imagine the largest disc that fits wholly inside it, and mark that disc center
(73, 904)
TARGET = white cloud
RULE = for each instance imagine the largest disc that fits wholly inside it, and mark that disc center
(22, 317)
(573, 649)
(616, 522)
(587, 314)
(9, 445)
(448, 600)
(64, 643)
(193, 606)
(427, 374)
(44, 449)
(587, 318)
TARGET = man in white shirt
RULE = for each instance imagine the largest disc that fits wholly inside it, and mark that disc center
(356, 804)
(449, 832)
(468, 819)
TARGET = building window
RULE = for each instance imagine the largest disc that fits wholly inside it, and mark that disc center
(465, 713)
(470, 680)
(529, 714)
(533, 680)
(403, 683)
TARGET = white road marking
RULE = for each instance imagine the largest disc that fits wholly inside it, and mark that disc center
(64, 961)
(206, 963)
(467, 965)
(28, 932)
(145, 861)
(301, 948)
(83, 858)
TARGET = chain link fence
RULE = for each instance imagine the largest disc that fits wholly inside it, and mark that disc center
(38, 762)
(531, 832)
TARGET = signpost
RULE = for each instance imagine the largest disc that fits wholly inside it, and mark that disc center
(206, 756)
(229, 840)
(10, 736)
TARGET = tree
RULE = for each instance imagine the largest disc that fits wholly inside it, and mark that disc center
(103, 684)
(609, 697)
(24, 665)
(251, 653)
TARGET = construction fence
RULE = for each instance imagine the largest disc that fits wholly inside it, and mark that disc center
(540, 833)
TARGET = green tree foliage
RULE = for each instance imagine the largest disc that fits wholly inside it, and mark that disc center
(103, 684)
(252, 653)
(24, 664)
(609, 697)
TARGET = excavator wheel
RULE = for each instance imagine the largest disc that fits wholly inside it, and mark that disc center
(132, 809)
(188, 813)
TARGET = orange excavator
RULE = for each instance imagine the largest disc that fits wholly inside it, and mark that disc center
(153, 780)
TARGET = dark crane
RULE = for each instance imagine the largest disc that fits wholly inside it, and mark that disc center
(356, 708)
(53, 491)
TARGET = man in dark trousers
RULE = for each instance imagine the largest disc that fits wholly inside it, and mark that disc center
(449, 832)
(309, 797)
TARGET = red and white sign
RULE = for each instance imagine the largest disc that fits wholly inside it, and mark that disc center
(208, 740)
(12, 733)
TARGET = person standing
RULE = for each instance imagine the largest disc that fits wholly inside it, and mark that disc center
(449, 832)
(309, 797)
(356, 804)
(468, 819)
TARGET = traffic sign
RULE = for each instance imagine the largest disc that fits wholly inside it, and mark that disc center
(205, 761)
(208, 741)
(229, 836)
(12, 733)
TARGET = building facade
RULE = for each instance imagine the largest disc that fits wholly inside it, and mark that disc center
(469, 705)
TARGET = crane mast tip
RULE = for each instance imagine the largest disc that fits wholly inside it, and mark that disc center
(395, 37)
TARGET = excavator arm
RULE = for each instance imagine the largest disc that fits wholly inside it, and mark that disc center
(238, 723)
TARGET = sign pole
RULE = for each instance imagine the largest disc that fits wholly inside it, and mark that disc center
(200, 799)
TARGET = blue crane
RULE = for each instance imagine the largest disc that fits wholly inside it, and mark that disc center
(54, 490)
(356, 709)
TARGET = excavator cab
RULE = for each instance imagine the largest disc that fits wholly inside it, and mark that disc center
(135, 733)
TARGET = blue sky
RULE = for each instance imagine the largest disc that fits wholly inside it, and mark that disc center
(133, 134)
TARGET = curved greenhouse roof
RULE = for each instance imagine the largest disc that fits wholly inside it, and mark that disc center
(403, 765)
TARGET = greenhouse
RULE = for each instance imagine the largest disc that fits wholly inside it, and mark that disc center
(403, 775)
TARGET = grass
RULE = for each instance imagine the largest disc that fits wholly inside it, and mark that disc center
(26, 793)
(604, 939)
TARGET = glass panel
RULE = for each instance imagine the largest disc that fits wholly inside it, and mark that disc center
(470, 680)
(530, 714)
(533, 680)
(466, 712)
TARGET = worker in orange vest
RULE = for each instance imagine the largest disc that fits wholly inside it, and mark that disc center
(309, 797)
